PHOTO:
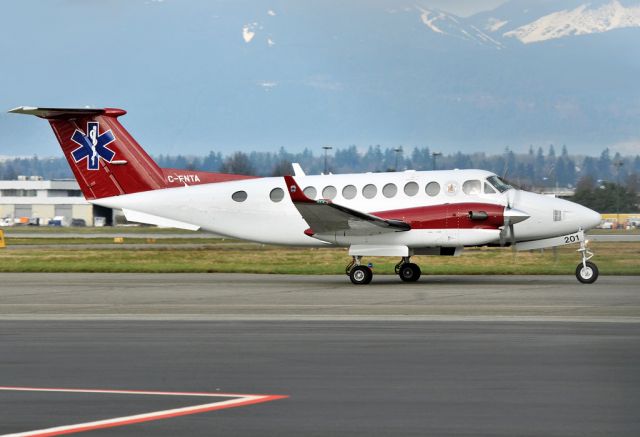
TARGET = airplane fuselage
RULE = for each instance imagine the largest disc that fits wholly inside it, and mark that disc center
(261, 210)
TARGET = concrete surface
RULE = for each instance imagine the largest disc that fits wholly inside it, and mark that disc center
(249, 296)
(450, 355)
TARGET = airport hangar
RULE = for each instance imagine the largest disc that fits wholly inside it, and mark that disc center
(31, 199)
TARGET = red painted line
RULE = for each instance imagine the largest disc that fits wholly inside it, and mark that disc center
(238, 401)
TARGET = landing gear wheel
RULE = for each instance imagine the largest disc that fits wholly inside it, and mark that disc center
(360, 275)
(587, 274)
(409, 272)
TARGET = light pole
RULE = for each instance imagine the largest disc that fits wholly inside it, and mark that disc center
(398, 151)
(434, 155)
(618, 165)
(326, 150)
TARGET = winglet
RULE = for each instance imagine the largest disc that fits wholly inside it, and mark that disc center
(296, 193)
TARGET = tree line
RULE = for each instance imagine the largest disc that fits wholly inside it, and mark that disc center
(592, 176)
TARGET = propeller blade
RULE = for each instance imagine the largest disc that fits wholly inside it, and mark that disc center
(503, 231)
(513, 236)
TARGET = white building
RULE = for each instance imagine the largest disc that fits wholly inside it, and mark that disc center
(31, 198)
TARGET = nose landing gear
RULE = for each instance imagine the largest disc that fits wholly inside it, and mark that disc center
(586, 271)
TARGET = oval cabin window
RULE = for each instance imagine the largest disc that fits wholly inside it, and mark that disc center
(329, 192)
(277, 194)
(349, 192)
(369, 191)
(389, 190)
(310, 192)
(239, 196)
(411, 189)
(432, 189)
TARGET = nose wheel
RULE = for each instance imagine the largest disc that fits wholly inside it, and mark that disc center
(586, 271)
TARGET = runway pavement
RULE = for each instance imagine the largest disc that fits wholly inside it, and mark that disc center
(249, 297)
(450, 355)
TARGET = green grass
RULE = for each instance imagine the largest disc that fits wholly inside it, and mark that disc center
(612, 259)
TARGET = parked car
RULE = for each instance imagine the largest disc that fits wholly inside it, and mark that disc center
(78, 222)
(606, 225)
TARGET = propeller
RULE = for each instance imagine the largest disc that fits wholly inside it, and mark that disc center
(511, 216)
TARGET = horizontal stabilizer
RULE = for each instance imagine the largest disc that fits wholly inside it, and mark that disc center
(141, 217)
(326, 218)
(65, 113)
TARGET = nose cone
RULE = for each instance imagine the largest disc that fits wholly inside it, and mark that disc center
(512, 216)
(588, 218)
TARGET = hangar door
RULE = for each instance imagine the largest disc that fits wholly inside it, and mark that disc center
(65, 211)
(22, 211)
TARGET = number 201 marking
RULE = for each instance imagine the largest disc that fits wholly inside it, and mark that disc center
(571, 239)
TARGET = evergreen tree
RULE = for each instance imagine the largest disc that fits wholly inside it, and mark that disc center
(604, 165)
(238, 163)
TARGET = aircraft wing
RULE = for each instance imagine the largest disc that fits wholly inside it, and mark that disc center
(325, 217)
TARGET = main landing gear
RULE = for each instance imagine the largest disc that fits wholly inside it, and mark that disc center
(361, 274)
(586, 271)
(358, 273)
(408, 271)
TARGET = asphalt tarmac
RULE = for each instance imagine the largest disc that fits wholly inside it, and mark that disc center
(494, 356)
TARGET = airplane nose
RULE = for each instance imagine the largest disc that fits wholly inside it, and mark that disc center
(589, 218)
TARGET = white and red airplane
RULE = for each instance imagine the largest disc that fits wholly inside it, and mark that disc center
(396, 214)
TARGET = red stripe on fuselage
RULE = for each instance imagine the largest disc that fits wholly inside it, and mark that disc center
(179, 178)
(448, 216)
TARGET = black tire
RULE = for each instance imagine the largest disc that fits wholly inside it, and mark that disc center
(360, 275)
(409, 272)
(587, 275)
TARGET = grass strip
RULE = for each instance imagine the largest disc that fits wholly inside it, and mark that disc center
(612, 258)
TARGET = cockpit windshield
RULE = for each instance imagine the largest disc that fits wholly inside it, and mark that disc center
(499, 184)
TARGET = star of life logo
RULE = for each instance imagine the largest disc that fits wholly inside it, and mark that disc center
(93, 145)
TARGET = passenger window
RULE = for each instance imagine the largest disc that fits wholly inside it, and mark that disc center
(239, 196)
(369, 191)
(310, 192)
(277, 194)
(488, 189)
(389, 190)
(349, 192)
(411, 189)
(329, 192)
(432, 189)
(472, 187)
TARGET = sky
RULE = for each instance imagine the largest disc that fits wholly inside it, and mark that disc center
(228, 75)
(464, 8)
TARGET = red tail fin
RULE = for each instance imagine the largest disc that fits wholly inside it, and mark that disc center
(105, 159)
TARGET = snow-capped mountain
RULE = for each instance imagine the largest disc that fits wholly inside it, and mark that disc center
(583, 20)
(448, 24)
(534, 21)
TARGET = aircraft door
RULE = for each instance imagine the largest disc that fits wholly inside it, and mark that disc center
(449, 224)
